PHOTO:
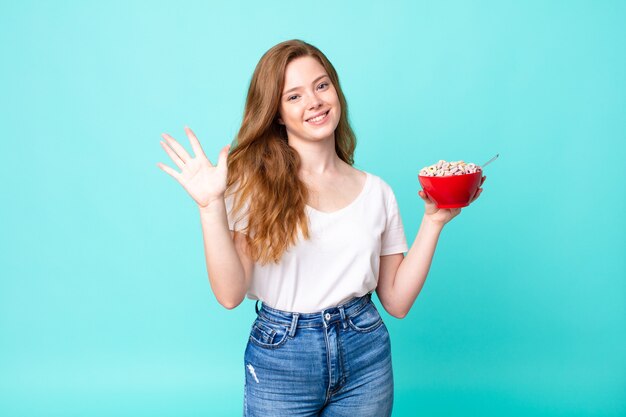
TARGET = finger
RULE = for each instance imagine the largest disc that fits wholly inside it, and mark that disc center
(170, 171)
(427, 199)
(482, 180)
(179, 162)
(476, 196)
(480, 190)
(180, 151)
(195, 143)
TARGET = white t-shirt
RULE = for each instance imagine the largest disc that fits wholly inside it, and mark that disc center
(340, 260)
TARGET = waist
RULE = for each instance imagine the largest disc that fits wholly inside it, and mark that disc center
(319, 318)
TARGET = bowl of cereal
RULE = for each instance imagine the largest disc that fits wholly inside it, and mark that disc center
(451, 184)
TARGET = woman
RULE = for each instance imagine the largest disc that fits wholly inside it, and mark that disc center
(288, 221)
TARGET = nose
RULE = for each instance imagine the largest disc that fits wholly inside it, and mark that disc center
(315, 102)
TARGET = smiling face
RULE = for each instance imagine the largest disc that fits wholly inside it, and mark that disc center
(308, 92)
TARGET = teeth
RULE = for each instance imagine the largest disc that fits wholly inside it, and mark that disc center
(318, 118)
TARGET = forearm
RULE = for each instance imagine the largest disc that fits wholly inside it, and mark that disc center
(414, 268)
(225, 270)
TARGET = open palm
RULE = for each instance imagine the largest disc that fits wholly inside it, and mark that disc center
(203, 181)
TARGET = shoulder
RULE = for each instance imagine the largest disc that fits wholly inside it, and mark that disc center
(379, 183)
(380, 191)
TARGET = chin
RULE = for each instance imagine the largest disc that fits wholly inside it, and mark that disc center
(322, 134)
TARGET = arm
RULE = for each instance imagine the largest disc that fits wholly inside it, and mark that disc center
(401, 278)
(228, 265)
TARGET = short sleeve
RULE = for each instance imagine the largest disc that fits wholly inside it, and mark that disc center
(236, 221)
(393, 238)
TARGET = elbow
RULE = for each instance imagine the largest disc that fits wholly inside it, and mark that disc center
(229, 304)
(395, 312)
(400, 314)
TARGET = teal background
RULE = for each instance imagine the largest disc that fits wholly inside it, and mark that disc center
(105, 305)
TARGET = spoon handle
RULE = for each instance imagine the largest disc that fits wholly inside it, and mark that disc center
(490, 161)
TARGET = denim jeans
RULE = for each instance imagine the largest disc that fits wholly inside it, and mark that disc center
(336, 362)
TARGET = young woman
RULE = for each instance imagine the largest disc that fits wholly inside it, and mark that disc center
(287, 220)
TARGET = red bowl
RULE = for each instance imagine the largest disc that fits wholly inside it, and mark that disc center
(453, 191)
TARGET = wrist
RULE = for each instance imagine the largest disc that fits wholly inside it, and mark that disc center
(214, 204)
(431, 223)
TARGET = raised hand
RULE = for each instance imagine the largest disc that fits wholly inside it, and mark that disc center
(203, 181)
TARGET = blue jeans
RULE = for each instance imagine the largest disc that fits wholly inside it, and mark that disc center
(333, 363)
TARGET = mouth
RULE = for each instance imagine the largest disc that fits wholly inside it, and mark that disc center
(319, 119)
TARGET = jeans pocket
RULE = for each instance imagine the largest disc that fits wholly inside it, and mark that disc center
(267, 334)
(366, 320)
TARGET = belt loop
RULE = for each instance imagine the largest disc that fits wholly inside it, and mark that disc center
(256, 306)
(294, 324)
(343, 317)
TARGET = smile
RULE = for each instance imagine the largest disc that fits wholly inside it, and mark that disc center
(319, 119)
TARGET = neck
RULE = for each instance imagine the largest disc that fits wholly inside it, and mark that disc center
(317, 158)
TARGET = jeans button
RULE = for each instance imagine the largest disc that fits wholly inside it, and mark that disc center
(327, 316)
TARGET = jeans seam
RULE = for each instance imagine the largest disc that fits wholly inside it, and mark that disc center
(272, 346)
(366, 329)
(330, 376)
(362, 304)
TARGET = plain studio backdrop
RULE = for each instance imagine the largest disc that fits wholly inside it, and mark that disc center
(105, 305)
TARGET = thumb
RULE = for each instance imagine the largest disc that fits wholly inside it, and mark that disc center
(223, 158)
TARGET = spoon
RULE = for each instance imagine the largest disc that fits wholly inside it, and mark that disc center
(490, 161)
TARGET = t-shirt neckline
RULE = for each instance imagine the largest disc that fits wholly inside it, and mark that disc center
(351, 204)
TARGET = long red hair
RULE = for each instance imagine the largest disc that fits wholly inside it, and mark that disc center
(263, 168)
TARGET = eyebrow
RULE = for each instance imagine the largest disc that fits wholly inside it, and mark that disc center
(314, 81)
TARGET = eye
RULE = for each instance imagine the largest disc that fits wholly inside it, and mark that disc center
(290, 97)
(323, 84)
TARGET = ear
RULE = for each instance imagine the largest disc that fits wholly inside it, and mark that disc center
(280, 121)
